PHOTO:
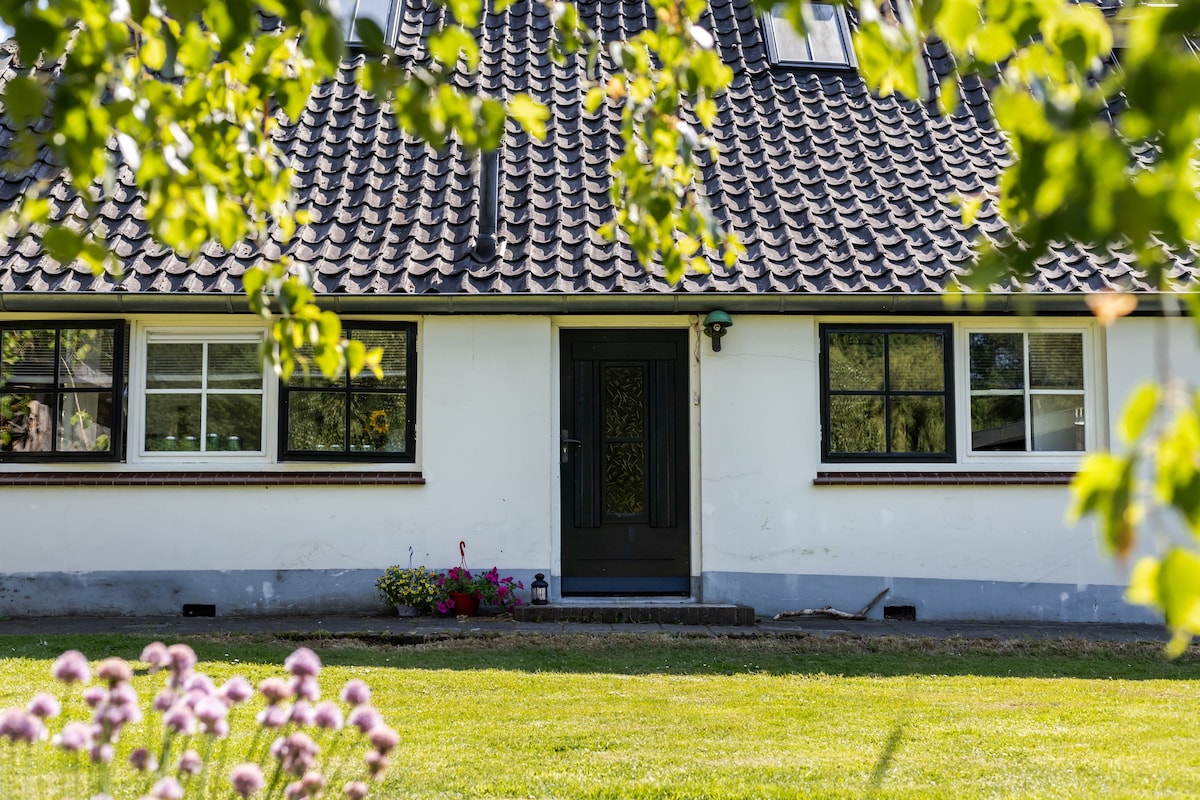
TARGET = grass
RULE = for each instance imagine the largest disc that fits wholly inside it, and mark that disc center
(677, 717)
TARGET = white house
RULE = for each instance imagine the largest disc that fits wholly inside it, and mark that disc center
(559, 408)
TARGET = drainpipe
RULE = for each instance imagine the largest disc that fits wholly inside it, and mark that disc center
(489, 202)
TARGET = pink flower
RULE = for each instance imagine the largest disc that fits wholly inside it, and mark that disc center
(189, 763)
(70, 667)
(210, 711)
(101, 753)
(123, 695)
(355, 692)
(294, 791)
(44, 706)
(141, 760)
(164, 700)
(302, 713)
(246, 779)
(328, 716)
(296, 753)
(303, 663)
(167, 789)
(274, 689)
(180, 719)
(199, 684)
(155, 654)
(181, 658)
(114, 670)
(313, 782)
(306, 687)
(383, 738)
(75, 736)
(94, 696)
(355, 790)
(364, 718)
(17, 726)
(377, 762)
(273, 716)
(237, 690)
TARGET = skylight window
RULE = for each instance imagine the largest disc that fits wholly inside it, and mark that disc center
(384, 13)
(826, 44)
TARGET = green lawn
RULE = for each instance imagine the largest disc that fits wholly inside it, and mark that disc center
(673, 717)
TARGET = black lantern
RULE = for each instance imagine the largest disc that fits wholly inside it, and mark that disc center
(539, 590)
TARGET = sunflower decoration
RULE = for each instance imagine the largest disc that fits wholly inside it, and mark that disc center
(378, 422)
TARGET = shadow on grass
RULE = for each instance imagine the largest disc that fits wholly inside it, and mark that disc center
(663, 654)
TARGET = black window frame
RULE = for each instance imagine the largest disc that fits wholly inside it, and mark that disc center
(947, 392)
(776, 59)
(409, 455)
(116, 422)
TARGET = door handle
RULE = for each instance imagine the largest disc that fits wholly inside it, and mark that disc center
(565, 442)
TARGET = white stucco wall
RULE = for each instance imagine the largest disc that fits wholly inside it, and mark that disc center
(484, 405)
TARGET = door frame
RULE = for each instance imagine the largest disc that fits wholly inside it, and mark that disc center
(676, 322)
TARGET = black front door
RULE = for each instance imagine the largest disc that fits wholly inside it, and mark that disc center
(624, 453)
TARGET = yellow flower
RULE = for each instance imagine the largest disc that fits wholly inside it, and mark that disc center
(379, 421)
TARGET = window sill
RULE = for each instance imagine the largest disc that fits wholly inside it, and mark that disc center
(224, 478)
(976, 478)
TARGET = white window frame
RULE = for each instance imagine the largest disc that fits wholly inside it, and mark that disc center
(1092, 419)
(146, 336)
(773, 18)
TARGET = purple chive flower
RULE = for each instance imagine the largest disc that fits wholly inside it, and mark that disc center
(94, 696)
(189, 763)
(101, 753)
(328, 716)
(273, 716)
(164, 700)
(364, 718)
(306, 687)
(302, 714)
(246, 779)
(180, 719)
(181, 658)
(296, 753)
(155, 654)
(123, 695)
(303, 663)
(383, 738)
(141, 760)
(167, 789)
(198, 683)
(17, 726)
(356, 692)
(294, 791)
(377, 762)
(114, 670)
(237, 690)
(274, 689)
(70, 667)
(44, 706)
(355, 790)
(75, 736)
(210, 711)
(313, 782)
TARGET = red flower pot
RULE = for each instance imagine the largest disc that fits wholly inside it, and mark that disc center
(464, 604)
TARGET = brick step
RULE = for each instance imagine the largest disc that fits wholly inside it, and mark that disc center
(661, 613)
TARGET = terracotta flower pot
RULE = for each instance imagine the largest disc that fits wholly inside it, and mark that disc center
(464, 604)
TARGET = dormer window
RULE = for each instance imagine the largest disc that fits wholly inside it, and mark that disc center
(825, 45)
(384, 13)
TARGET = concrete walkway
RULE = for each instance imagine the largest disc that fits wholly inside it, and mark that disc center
(436, 628)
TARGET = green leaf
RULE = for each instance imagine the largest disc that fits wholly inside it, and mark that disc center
(24, 99)
(1138, 411)
(62, 244)
(530, 114)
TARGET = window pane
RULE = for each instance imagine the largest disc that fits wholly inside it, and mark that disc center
(234, 365)
(379, 422)
(856, 424)
(395, 359)
(26, 425)
(856, 361)
(916, 362)
(173, 366)
(789, 45)
(173, 422)
(1056, 361)
(997, 361)
(1058, 422)
(83, 423)
(87, 357)
(998, 423)
(234, 423)
(28, 359)
(625, 486)
(376, 10)
(316, 420)
(918, 425)
(825, 35)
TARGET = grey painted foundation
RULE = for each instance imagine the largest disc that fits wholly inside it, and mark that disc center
(305, 592)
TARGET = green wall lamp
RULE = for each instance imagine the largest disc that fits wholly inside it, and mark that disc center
(716, 325)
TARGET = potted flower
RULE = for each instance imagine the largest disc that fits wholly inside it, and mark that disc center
(411, 590)
(462, 592)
